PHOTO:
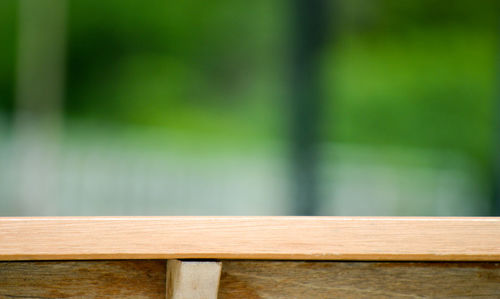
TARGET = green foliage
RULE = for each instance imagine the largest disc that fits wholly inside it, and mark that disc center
(431, 89)
(201, 68)
(8, 11)
(405, 73)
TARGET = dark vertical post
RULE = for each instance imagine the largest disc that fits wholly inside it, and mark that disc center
(495, 202)
(495, 173)
(309, 27)
(495, 151)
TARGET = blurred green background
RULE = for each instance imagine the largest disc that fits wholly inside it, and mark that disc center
(182, 108)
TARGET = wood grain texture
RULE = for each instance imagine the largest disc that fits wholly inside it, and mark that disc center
(83, 279)
(299, 238)
(193, 279)
(270, 279)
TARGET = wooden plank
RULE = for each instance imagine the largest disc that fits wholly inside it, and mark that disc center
(193, 279)
(299, 238)
(83, 279)
(269, 279)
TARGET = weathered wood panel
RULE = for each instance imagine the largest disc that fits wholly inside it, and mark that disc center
(297, 238)
(270, 279)
(83, 279)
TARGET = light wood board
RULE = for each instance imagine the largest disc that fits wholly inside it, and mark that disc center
(193, 279)
(295, 238)
(316, 280)
(83, 279)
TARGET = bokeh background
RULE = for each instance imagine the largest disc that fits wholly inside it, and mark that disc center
(263, 107)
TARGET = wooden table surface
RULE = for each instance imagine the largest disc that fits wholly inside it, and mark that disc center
(263, 238)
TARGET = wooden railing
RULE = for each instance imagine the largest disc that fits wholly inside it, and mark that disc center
(249, 257)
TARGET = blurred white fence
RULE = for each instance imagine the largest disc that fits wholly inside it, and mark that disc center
(96, 177)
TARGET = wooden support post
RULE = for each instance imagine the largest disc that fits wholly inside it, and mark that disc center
(193, 279)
